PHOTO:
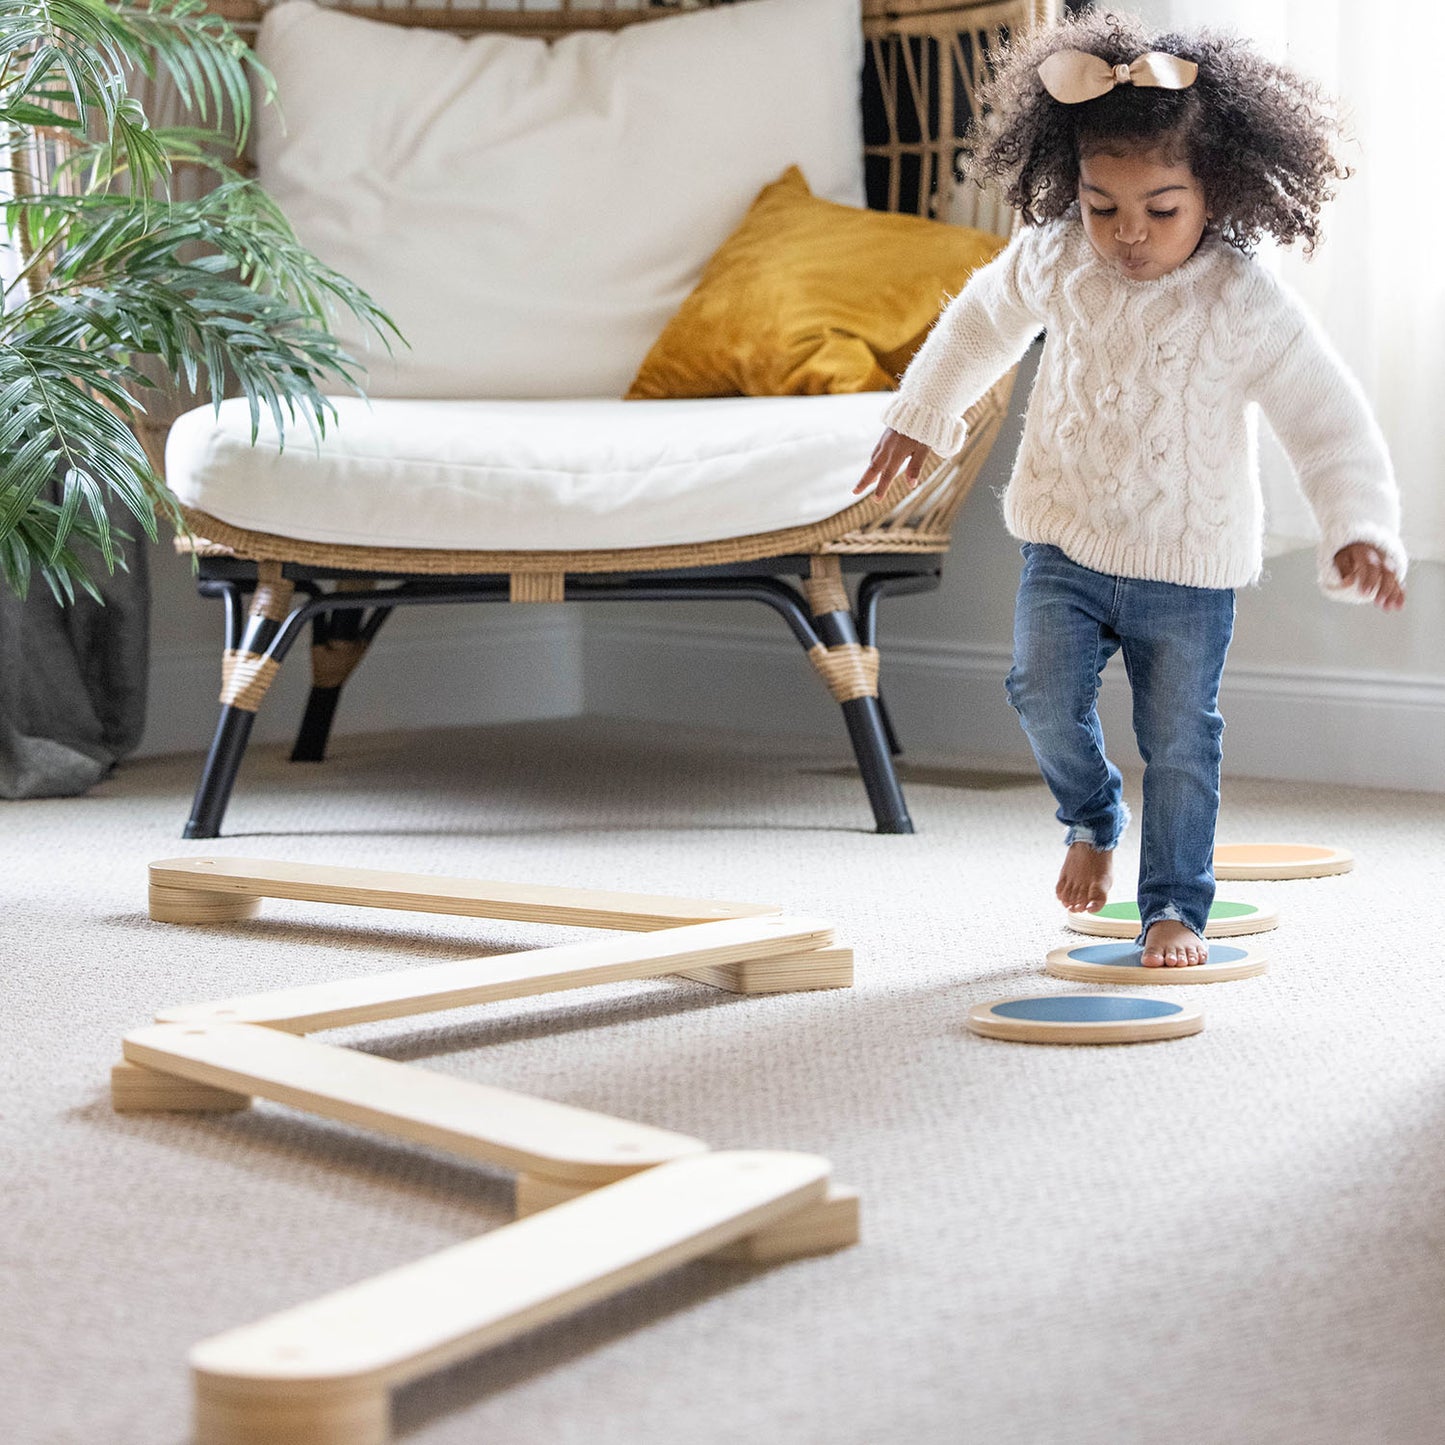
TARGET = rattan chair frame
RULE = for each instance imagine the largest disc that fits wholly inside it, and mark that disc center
(924, 62)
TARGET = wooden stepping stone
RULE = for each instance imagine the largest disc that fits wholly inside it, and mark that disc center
(1122, 963)
(1240, 861)
(1084, 1018)
(1121, 920)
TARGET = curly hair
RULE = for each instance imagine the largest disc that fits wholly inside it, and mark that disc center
(1258, 136)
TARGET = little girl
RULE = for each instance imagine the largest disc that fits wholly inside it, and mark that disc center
(1146, 169)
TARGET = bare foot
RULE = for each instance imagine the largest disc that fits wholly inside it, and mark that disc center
(1084, 880)
(1171, 945)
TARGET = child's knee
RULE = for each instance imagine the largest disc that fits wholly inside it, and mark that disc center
(1033, 691)
(1182, 740)
(1042, 702)
(1013, 686)
(1038, 712)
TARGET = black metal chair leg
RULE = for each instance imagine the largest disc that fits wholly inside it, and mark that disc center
(866, 730)
(246, 672)
(894, 746)
(315, 730)
(873, 587)
(233, 732)
(310, 746)
(340, 640)
(863, 711)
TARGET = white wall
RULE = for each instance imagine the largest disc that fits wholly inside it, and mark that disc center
(1314, 689)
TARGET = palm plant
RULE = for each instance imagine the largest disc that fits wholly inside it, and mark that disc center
(117, 278)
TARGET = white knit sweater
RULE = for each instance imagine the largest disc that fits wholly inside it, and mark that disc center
(1136, 457)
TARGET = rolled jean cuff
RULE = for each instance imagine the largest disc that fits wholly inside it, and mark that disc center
(1171, 914)
(1102, 839)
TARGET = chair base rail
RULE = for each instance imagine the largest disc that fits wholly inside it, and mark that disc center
(355, 610)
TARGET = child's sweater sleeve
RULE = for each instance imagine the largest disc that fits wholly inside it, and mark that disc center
(985, 330)
(1322, 419)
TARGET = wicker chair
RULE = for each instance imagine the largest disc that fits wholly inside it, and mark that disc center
(925, 59)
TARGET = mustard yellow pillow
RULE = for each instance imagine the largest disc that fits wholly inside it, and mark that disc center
(807, 296)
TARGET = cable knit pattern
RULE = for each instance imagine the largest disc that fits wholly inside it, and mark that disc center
(1138, 457)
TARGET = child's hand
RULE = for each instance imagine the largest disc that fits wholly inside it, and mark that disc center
(1364, 568)
(894, 453)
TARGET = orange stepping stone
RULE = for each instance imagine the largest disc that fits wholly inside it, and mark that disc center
(1247, 861)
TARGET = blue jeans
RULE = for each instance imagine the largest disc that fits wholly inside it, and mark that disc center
(1068, 623)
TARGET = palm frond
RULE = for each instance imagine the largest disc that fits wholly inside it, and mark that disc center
(236, 228)
(33, 548)
(219, 290)
(176, 145)
(205, 58)
(213, 334)
(144, 165)
(80, 45)
(55, 423)
(89, 44)
(242, 222)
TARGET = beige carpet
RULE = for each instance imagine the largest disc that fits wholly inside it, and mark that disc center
(1231, 1239)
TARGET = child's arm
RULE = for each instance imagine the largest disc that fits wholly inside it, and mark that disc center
(1325, 424)
(985, 330)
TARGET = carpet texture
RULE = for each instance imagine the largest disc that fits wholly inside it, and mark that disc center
(1231, 1239)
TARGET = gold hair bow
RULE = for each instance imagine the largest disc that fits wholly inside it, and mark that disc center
(1073, 76)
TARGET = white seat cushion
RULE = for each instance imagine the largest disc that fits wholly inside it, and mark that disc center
(532, 214)
(576, 475)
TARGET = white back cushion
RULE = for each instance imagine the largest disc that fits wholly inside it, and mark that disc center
(532, 214)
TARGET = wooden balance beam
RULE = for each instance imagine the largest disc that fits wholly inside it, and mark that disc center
(601, 1203)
